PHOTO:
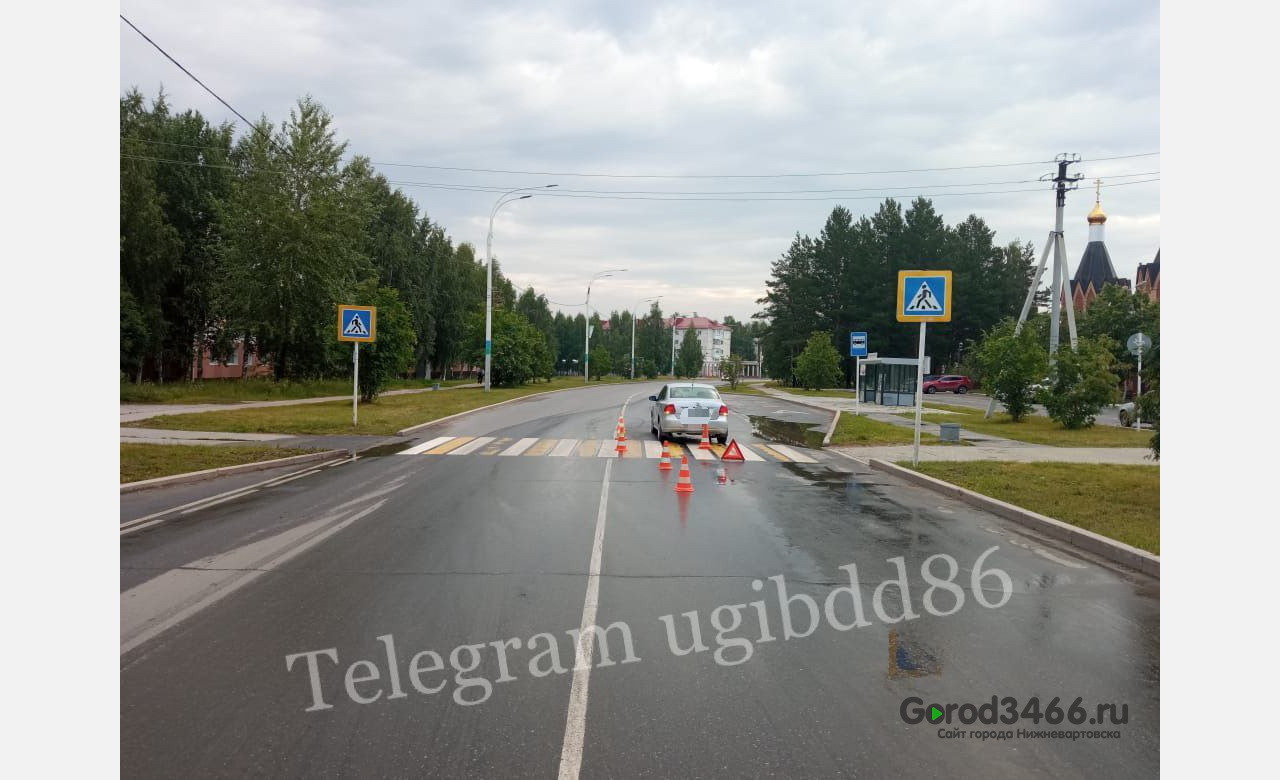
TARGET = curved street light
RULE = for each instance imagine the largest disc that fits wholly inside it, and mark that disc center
(586, 359)
(488, 294)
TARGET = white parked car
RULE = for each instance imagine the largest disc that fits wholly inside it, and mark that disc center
(682, 408)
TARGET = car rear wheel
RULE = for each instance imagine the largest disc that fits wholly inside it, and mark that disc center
(1125, 419)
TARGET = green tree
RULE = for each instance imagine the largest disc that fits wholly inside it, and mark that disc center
(647, 368)
(731, 370)
(294, 225)
(601, 360)
(1083, 381)
(520, 352)
(818, 366)
(392, 354)
(689, 360)
(1010, 365)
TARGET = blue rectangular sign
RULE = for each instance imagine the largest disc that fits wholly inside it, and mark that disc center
(857, 344)
(357, 323)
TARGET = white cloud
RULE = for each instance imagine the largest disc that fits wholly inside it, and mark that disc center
(693, 88)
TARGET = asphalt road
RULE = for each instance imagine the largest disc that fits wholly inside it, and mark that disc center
(466, 554)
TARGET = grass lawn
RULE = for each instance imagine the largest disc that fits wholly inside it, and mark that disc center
(225, 391)
(743, 389)
(1038, 429)
(1122, 502)
(386, 415)
(147, 461)
(830, 392)
(853, 430)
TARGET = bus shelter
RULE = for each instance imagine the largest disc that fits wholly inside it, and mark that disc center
(890, 381)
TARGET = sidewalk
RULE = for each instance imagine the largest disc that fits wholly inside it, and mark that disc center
(134, 412)
(354, 442)
(982, 446)
(1022, 453)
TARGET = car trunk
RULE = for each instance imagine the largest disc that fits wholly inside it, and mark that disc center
(696, 411)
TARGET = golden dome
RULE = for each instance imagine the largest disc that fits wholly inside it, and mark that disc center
(1097, 216)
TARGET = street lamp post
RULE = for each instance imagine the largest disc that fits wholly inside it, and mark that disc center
(586, 328)
(633, 333)
(488, 290)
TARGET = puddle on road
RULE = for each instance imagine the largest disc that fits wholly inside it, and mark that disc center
(385, 449)
(786, 431)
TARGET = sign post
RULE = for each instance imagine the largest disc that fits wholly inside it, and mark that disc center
(923, 297)
(1138, 343)
(357, 324)
(857, 349)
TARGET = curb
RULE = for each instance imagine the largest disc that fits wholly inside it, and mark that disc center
(415, 428)
(1112, 550)
(262, 465)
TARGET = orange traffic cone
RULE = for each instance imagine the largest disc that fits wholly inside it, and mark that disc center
(705, 444)
(622, 436)
(684, 484)
(665, 463)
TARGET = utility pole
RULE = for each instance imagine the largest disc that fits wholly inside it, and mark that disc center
(1060, 276)
(1060, 280)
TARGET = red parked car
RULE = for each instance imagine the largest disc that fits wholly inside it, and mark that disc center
(953, 382)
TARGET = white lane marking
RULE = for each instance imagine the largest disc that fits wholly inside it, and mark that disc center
(223, 500)
(795, 455)
(221, 592)
(700, 454)
(575, 725)
(421, 448)
(290, 479)
(565, 448)
(519, 447)
(471, 446)
(748, 454)
(652, 449)
(608, 449)
(156, 518)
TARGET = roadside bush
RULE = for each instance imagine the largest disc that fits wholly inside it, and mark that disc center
(818, 366)
(520, 351)
(392, 354)
(731, 370)
(601, 361)
(647, 368)
(1148, 405)
(1010, 364)
(1083, 381)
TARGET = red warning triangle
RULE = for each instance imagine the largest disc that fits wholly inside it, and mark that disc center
(732, 452)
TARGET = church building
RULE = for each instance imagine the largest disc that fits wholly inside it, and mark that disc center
(1095, 270)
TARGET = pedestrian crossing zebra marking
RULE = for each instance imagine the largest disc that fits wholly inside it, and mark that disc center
(529, 446)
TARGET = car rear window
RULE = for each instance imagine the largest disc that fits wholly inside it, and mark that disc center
(693, 392)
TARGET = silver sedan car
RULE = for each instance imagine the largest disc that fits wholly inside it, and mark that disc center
(684, 407)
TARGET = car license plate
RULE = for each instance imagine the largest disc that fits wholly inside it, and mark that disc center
(698, 411)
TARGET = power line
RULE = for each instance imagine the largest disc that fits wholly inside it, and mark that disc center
(703, 176)
(206, 87)
(603, 196)
(693, 195)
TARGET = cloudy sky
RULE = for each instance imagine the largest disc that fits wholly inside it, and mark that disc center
(691, 97)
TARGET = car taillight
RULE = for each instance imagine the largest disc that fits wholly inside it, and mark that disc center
(723, 410)
(669, 409)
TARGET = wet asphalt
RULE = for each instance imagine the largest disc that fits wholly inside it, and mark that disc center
(474, 549)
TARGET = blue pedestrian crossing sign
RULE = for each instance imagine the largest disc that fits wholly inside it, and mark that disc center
(857, 344)
(924, 296)
(357, 323)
